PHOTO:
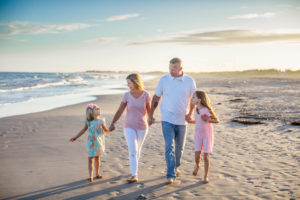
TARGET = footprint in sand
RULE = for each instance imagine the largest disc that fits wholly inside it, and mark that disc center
(113, 182)
(141, 185)
(5, 145)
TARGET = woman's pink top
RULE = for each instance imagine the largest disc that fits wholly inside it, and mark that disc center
(136, 110)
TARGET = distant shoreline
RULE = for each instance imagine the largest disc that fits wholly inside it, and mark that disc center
(251, 71)
(266, 73)
(247, 72)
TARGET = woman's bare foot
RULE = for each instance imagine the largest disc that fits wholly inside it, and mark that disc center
(195, 172)
(132, 179)
(90, 180)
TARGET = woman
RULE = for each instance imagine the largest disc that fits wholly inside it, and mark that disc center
(137, 101)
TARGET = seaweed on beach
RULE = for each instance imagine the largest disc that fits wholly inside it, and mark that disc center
(295, 123)
(245, 120)
(237, 100)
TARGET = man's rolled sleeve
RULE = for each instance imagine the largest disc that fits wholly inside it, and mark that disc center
(159, 88)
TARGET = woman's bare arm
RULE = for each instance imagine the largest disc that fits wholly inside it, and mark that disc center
(117, 115)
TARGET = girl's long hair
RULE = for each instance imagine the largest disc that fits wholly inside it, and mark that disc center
(89, 113)
(205, 101)
(136, 80)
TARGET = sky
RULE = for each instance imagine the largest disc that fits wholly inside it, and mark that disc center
(143, 35)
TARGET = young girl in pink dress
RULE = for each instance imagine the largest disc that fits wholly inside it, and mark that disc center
(204, 137)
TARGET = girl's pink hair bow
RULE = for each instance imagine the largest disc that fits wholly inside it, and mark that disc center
(90, 105)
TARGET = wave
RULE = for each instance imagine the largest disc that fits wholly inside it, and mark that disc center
(62, 82)
(78, 80)
(71, 81)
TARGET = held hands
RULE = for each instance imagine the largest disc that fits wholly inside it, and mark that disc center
(112, 127)
(188, 118)
(205, 117)
(151, 120)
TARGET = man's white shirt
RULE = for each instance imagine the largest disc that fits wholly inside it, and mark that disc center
(176, 93)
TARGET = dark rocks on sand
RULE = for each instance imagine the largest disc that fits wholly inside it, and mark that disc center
(296, 123)
(237, 100)
(253, 116)
(243, 120)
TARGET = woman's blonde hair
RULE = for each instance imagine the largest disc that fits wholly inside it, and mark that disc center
(89, 112)
(205, 101)
(136, 80)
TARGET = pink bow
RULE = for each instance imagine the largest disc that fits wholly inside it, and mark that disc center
(90, 105)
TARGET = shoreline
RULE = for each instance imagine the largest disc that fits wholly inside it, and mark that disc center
(40, 104)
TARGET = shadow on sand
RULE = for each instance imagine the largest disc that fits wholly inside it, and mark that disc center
(48, 192)
(150, 192)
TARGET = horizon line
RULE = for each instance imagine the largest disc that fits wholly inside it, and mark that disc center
(156, 71)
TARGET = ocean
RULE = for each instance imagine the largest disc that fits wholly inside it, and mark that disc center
(22, 93)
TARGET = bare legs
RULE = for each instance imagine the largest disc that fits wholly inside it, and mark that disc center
(197, 161)
(97, 166)
(206, 167)
(91, 162)
(206, 164)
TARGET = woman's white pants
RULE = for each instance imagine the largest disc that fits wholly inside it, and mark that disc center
(135, 140)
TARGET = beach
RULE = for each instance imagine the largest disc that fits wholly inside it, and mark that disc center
(259, 161)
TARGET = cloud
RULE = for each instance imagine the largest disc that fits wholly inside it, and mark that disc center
(122, 17)
(16, 28)
(284, 5)
(227, 37)
(15, 40)
(101, 40)
(253, 16)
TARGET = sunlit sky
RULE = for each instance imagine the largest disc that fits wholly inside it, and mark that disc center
(214, 35)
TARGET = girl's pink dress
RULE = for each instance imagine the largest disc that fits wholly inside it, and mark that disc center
(203, 138)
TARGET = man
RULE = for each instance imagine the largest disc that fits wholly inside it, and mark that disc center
(176, 90)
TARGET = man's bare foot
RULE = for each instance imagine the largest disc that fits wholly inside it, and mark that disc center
(177, 172)
(205, 180)
(170, 181)
(195, 172)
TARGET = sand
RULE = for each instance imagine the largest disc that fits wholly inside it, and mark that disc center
(248, 161)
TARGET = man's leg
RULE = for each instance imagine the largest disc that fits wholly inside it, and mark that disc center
(180, 131)
(169, 134)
